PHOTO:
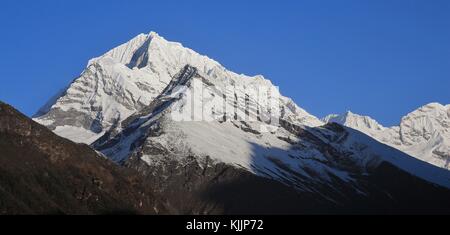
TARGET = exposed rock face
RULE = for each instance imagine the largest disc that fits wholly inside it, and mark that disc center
(41, 173)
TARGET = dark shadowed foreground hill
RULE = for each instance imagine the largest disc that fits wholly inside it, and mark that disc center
(41, 173)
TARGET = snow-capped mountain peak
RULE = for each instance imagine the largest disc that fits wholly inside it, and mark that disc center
(128, 78)
(423, 133)
(123, 53)
(350, 119)
(424, 123)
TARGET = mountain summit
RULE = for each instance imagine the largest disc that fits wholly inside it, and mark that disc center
(128, 78)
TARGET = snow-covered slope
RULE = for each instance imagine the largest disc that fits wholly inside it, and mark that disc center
(127, 79)
(300, 156)
(424, 133)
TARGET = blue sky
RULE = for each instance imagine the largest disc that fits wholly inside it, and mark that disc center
(381, 58)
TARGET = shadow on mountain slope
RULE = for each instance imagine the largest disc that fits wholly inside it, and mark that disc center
(379, 189)
(334, 184)
(193, 188)
(386, 190)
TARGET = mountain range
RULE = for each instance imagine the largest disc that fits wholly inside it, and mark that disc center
(423, 133)
(205, 140)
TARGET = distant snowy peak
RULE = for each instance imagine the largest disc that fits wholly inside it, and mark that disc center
(423, 133)
(355, 121)
(425, 123)
(128, 78)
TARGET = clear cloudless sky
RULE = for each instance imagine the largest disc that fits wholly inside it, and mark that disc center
(382, 58)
